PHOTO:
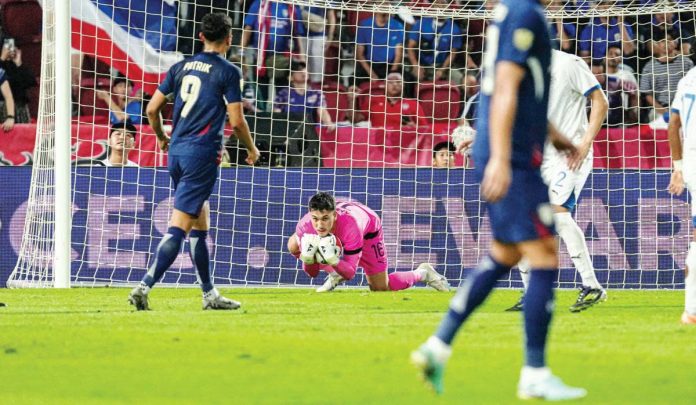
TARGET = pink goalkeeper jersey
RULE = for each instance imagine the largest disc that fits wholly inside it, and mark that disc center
(353, 222)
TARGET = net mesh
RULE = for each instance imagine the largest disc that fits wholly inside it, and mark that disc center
(339, 104)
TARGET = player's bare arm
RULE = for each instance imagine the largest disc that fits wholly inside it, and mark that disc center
(676, 182)
(153, 111)
(498, 172)
(598, 112)
(241, 131)
(563, 144)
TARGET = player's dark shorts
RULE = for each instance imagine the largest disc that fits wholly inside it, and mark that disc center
(524, 213)
(194, 179)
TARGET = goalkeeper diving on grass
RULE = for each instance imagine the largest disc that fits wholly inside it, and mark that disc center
(338, 236)
(205, 87)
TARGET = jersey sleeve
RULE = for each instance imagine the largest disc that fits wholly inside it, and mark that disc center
(518, 33)
(585, 41)
(351, 237)
(167, 85)
(581, 77)
(232, 91)
(3, 76)
(364, 34)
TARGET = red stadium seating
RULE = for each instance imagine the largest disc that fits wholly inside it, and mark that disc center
(21, 19)
(440, 100)
(337, 101)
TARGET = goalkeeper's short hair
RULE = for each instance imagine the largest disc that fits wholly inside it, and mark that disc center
(216, 26)
(322, 201)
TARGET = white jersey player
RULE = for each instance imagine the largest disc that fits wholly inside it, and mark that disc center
(572, 84)
(683, 118)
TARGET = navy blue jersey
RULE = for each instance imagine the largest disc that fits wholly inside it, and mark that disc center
(519, 34)
(201, 87)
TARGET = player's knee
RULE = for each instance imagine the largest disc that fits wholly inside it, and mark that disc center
(379, 287)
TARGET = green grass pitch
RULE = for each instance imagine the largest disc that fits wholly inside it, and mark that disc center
(350, 346)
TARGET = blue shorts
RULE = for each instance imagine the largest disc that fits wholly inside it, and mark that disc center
(524, 213)
(194, 179)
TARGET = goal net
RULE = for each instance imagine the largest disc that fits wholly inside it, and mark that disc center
(358, 98)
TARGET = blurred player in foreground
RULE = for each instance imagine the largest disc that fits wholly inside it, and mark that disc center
(338, 236)
(683, 118)
(507, 153)
(204, 87)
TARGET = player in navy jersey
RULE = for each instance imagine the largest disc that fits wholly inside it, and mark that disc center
(512, 129)
(204, 87)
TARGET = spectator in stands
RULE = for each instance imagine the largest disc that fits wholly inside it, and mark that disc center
(267, 42)
(20, 80)
(443, 155)
(433, 44)
(470, 91)
(121, 141)
(659, 79)
(380, 47)
(298, 99)
(621, 88)
(320, 25)
(7, 112)
(578, 5)
(602, 31)
(662, 23)
(563, 33)
(123, 103)
(393, 110)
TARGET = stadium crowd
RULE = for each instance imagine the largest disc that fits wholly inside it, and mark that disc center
(340, 68)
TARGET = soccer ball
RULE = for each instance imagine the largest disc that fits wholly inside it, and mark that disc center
(338, 246)
(463, 133)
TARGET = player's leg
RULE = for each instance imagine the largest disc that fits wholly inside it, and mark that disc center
(432, 356)
(564, 201)
(689, 315)
(167, 251)
(374, 262)
(536, 380)
(523, 267)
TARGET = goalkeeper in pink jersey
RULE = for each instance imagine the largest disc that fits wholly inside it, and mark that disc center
(337, 237)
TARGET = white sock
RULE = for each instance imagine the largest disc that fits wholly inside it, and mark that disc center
(144, 288)
(524, 268)
(422, 272)
(440, 349)
(531, 375)
(690, 280)
(574, 240)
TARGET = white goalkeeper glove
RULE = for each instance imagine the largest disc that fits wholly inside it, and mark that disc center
(308, 247)
(462, 138)
(328, 252)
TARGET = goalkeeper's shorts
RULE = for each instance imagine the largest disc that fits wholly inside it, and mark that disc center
(374, 254)
(194, 179)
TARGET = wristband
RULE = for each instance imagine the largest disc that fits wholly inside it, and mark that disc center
(678, 165)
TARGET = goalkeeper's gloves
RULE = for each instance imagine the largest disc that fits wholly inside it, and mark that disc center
(328, 251)
(308, 247)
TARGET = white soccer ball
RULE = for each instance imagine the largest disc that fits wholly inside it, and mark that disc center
(337, 245)
(463, 133)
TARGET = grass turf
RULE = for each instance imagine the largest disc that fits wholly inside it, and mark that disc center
(350, 346)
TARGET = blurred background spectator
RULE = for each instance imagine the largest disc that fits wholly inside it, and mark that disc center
(20, 79)
(443, 155)
(298, 99)
(596, 37)
(320, 25)
(622, 90)
(124, 103)
(380, 47)
(659, 78)
(121, 142)
(433, 45)
(268, 44)
(393, 110)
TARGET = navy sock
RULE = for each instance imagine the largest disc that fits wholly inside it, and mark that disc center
(469, 296)
(198, 250)
(167, 251)
(538, 308)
